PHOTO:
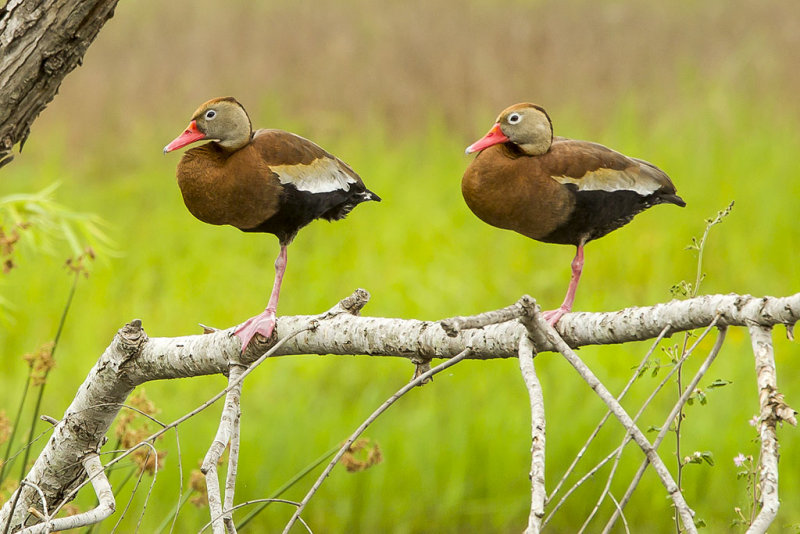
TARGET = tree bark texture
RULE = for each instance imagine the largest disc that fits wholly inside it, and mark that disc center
(41, 41)
(133, 359)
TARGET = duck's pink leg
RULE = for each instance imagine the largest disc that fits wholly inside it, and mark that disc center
(264, 322)
(553, 316)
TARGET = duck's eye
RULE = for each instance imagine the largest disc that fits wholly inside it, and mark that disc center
(514, 118)
(210, 114)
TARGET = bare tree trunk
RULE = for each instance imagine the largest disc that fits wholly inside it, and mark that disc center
(41, 41)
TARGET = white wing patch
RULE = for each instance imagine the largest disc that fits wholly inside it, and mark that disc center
(322, 175)
(611, 180)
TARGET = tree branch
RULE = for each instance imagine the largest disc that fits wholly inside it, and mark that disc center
(133, 359)
(538, 490)
(228, 431)
(773, 409)
(105, 507)
(41, 42)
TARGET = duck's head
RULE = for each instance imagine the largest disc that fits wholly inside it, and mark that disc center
(223, 120)
(526, 125)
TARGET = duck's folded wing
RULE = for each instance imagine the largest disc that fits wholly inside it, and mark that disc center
(593, 167)
(299, 162)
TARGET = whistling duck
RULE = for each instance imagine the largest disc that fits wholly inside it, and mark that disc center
(264, 181)
(557, 190)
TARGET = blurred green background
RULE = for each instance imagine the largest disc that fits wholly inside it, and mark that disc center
(707, 91)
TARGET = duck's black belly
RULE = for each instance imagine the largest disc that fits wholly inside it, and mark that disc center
(596, 213)
(298, 208)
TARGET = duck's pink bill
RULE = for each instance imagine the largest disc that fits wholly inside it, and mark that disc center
(494, 137)
(189, 135)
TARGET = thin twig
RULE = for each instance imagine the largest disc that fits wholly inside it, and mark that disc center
(288, 484)
(180, 478)
(665, 427)
(151, 450)
(383, 407)
(149, 489)
(621, 513)
(257, 501)
(589, 474)
(597, 429)
(44, 513)
(133, 409)
(619, 412)
(618, 456)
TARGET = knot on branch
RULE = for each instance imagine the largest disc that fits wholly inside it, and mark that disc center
(258, 346)
(54, 63)
(131, 338)
(352, 304)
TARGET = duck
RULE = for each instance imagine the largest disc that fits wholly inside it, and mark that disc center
(267, 180)
(555, 189)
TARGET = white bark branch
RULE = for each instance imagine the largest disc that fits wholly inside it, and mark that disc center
(105, 507)
(133, 359)
(233, 462)
(773, 409)
(538, 490)
(227, 432)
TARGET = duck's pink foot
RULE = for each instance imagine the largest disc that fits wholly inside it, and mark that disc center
(263, 324)
(553, 316)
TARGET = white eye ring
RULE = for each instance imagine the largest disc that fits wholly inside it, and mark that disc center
(514, 118)
(210, 114)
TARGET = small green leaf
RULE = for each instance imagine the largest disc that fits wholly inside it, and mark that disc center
(718, 383)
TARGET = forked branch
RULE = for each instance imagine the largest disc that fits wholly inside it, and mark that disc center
(133, 359)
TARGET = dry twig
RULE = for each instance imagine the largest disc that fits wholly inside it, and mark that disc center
(773, 409)
(354, 436)
(619, 412)
(669, 419)
(538, 490)
(227, 432)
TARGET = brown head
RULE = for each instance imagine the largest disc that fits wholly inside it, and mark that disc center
(526, 125)
(223, 120)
